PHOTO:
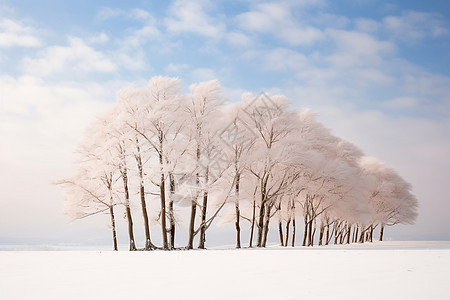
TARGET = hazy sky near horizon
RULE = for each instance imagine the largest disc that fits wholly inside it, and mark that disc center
(376, 72)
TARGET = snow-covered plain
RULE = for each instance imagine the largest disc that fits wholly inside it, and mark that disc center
(388, 270)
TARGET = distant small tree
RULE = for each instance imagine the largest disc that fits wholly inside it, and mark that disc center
(92, 188)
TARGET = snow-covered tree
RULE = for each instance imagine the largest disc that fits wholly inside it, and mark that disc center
(256, 158)
(391, 196)
(155, 120)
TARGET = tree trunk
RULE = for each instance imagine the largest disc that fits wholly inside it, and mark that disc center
(252, 228)
(321, 232)
(305, 231)
(171, 213)
(381, 232)
(280, 232)
(266, 226)
(261, 224)
(128, 211)
(172, 226)
(293, 232)
(287, 232)
(190, 244)
(336, 234)
(192, 225)
(357, 234)
(238, 214)
(130, 229)
(361, 237)
(162, 190)
(238, 227)
(201, 244)
(113, 227)
(327, 235)
(148, 242)
(310, 224)
(349, 230)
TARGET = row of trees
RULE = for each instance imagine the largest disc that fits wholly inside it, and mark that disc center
(255, 161)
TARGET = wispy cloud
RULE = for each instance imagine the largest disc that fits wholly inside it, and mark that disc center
(413, 25)
(15, 34)
(77, 56)
(193, 17)
(277, 20)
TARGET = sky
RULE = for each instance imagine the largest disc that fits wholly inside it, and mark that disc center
(375, 72)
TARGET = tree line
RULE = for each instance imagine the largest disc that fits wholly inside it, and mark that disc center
(255, 162)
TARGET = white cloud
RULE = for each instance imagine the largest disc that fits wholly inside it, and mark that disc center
(282, 59)
(129, 52)
(107, 13)
(140, 14)
(176, 68)
(276, 19)
(357, 48)
(239, 39)
(141, 36)
(412, 25)
(77, 56)
(101, 38)
(192, 17)
(203, 74)
(367, 25)
(15, 34)
(403, 103)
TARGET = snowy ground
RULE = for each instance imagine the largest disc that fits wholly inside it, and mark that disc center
(388, 270)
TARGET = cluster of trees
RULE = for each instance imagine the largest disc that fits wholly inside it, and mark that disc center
(255, 163)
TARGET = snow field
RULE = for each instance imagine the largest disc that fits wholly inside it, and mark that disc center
(273, 273)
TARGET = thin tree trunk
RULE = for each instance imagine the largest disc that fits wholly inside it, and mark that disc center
(336, 234)
(305, 231)
(238, 214)
(162, 190)
(293, 223)
(349, 230)
(310, 232)
(171, 213)
(261, 223)
(192, 225)
(361, 237)
(327, 235)
(280, 232)
(293, 232)
(190, 244)
(148, 242)
(353, 234)
(266, 226)
(113, 227)
(130, 229)
(381, 232)
(252, 228)
(128, 211)
(201, 244)
(287, 232)
(321, 232)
